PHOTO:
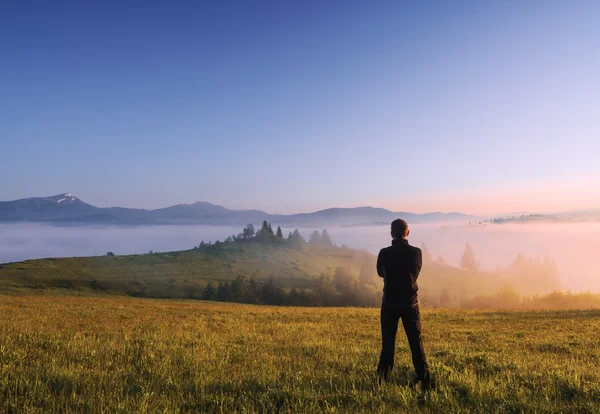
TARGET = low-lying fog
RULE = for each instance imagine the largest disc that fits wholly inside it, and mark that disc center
(576, 247)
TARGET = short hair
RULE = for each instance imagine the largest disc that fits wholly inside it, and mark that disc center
(399, 228)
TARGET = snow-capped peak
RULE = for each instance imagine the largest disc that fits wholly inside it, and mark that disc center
(68, 197)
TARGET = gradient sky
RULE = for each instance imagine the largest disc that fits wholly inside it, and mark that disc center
(483, 107)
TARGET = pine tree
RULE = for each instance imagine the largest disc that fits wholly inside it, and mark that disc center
(520, 261)
(296, 239)
(315, 238)
(279, 233)
(468, 259)
(325, 239)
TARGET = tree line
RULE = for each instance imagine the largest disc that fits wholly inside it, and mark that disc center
(340, 289)
(265, 234)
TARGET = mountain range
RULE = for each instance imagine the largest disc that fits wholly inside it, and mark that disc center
(67, 209)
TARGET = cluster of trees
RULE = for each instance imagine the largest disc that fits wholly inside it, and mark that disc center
(342, 288)
(522, 218)
(467, 261)
(533, 273)
(509, 298)
(266, 235)
(320, 239)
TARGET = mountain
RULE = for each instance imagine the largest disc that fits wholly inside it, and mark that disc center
(68, 209)
(62, 206)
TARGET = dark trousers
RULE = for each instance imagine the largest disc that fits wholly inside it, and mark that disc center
(411, 319)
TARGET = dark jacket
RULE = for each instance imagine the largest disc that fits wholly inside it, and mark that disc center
(399, 265)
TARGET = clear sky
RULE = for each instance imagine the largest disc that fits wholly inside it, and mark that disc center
(478, 106)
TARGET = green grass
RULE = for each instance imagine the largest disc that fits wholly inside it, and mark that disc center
(74, 354)
(181, 274)
(174, 274)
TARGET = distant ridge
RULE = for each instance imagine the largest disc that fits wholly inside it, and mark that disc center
(66, 208)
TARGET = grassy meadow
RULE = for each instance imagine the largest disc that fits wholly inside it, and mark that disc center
(119, 354)
(184, 274)
(176, 274)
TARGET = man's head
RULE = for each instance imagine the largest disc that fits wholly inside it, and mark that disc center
(400, 229)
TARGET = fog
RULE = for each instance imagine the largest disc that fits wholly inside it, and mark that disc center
(576, 247)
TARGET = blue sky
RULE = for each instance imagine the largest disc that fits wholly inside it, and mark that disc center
(475, 106)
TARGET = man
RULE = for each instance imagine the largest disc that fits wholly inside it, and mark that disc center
(399, 265)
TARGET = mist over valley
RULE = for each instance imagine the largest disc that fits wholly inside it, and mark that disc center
(573, 246)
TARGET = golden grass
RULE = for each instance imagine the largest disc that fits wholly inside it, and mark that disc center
(77, 354)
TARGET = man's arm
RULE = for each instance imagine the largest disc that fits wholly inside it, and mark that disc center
(380, 270)
(418, 262)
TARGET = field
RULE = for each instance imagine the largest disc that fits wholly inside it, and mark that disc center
(82, 354)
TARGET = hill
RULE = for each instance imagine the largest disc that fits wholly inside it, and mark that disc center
(175, 274)
(67, 209)
(66, 354)
(347, 275)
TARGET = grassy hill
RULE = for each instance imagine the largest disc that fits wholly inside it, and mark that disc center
(172, 274)
(66, 354)
(183, 274)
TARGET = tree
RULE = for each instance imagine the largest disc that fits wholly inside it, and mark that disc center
(425, 253)
(520, 261)
(296, 239)
(551, 271)
(468, 259)
(315, 238)
(224, 292)
(367, 270)
(272, 293)
(441, 260)
(248, 232)
(265, 233)
(342, 278)
(279, 233)
(209, 292)
(239, 287)
(326, 293)
(254, 291)
(325, 239)
(293, 298)
(110, 254)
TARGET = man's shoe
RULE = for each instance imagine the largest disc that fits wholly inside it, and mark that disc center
(383, 374)
(427, 383)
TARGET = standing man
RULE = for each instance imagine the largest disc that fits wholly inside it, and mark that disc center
(399, 265)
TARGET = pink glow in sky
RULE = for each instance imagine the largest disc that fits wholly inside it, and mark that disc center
(572, 193)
